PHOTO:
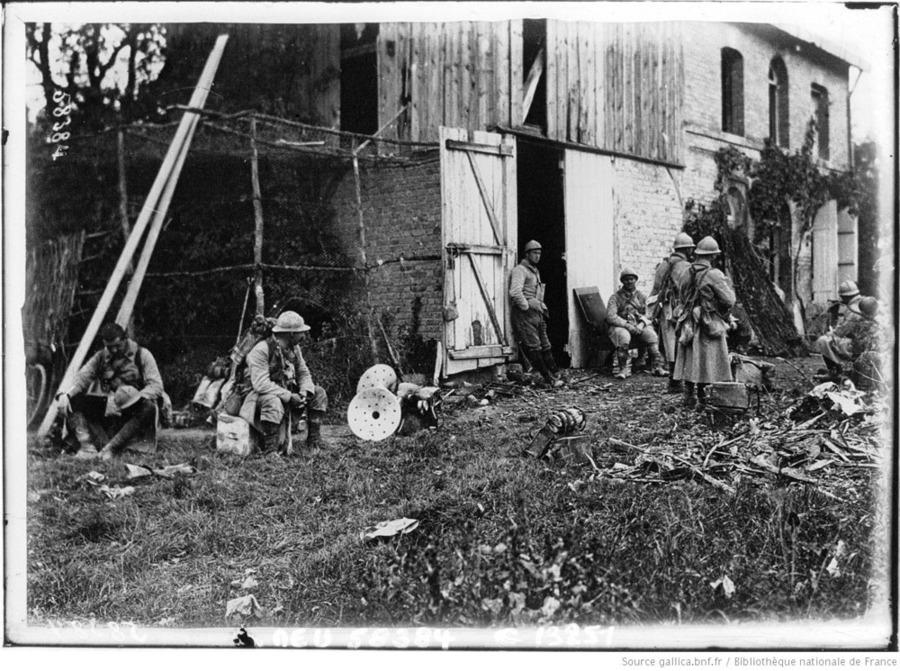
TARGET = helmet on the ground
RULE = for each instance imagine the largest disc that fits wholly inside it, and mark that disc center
(531, 245)
(126, 396)
(868, 306)
(848, 288)
(626, 272)
(683, 240)
(289, 322)
(708, 246)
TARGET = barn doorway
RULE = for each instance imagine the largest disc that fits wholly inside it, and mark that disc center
(541, 217)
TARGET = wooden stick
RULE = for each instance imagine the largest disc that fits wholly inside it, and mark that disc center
(123, 190)
(127, 253)
(198, 99)
(258, 218)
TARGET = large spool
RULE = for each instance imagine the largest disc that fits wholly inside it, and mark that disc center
(379, 375)
(374, 414)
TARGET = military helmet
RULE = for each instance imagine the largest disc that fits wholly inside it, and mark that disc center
(683, 240)
(848, 288)
(707, 246)
(868, 306)
(289, 322)
(532, 245)
(626, 272)
(126, 396)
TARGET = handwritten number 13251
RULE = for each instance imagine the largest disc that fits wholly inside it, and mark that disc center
(63, 100)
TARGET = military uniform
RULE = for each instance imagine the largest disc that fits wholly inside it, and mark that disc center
(628, 325)
(272, 374)
(666, 282)
(703, 357)
(836, 347)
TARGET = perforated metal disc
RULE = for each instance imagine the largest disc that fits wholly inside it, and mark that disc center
(379, 375)
(374, 414)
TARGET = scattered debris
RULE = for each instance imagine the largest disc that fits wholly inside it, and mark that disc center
(559, 423)
(169, 472)
(116, 492)
(404, 525)
(725, 585)
(245, 607)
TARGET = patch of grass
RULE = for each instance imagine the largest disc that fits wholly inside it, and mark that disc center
(501, 540)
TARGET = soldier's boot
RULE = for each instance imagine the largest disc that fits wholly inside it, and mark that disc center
(675, 386)
(536, 357)
(701, 398)
(314, 439)
(689, 399)
(86, 447)
(622, 363)
(550, 362)
(271, 434)
(656, 364)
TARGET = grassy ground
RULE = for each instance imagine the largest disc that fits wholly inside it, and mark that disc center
(501, 539)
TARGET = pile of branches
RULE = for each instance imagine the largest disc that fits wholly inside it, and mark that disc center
(768, 315)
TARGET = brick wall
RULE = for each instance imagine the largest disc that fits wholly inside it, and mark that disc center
(703, 87)
(647, 216)
(402, 214)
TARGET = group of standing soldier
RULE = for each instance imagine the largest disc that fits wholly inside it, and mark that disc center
(693, 310)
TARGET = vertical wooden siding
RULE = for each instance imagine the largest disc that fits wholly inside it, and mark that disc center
(319, 81)
(616, 86)
(460, 75)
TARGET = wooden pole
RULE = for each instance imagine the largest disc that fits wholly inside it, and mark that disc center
(136, 233)
(258, 216)
(123, 189)
(127, 308)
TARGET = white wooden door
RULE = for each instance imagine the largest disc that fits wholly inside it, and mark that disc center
(825, 254)
(478, 234)
(590, 259)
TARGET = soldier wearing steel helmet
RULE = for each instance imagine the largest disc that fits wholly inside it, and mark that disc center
(529, 313)
(666, 281)
(628, 325)
(281, 386)
(836, 346)
(703, 324)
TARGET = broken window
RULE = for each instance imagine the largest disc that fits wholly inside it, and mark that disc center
(820, 113)
(534, 57)
(359, 78)
(779, 128)
(732, 91)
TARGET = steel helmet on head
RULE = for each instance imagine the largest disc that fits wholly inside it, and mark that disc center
(531, 245)
(289, 322)
(868, 306)
(682, 241)
(707, 246)
(848, 288)
(626, 272)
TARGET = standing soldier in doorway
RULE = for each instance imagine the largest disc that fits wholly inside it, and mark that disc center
(529, 314)
(669, 275)
(628, 325)
(706, 315)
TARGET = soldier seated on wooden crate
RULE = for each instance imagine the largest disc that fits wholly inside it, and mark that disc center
(89, 406)
(280, 386)
(629, 325)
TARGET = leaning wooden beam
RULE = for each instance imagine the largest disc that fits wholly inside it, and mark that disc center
(130, 246)
(258, 218)
(534, 76)
(198, 100)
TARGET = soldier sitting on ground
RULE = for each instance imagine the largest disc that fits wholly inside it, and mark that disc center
(89, 407)
(279, 386)
(836, 346)
(629, 325)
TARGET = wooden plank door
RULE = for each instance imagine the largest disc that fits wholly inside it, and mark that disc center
(478, 235)
(588, 184)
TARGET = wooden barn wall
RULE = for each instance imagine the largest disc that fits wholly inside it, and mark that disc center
(319, 77)
(616, 86)
(461, 75)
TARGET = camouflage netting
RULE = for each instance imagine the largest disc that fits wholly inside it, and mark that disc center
(191, 303)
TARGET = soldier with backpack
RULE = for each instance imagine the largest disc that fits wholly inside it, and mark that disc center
(669, 274)
(280, 386)
(703, 324)
(89, 406)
